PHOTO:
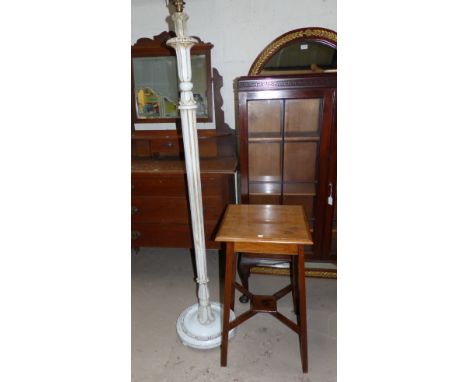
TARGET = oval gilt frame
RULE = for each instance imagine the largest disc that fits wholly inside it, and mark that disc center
(321, 35)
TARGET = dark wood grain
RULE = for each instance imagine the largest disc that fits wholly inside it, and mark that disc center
(160, 206)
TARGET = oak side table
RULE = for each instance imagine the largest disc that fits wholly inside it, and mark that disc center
(265, 229)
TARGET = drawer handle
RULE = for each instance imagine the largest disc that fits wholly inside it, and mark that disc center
(135, 210)
(136, 235)
(133, 186)
(169, 144)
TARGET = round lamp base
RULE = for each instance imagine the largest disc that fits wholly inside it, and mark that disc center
(196, 335)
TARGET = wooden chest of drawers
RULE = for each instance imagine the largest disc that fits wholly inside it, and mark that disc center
(160, 206)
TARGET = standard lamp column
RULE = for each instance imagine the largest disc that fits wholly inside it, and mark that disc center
(199, 326)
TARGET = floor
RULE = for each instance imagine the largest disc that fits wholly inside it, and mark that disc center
(263, 349)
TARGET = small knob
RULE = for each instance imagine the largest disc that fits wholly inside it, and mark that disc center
(136, 235)
(135, 210)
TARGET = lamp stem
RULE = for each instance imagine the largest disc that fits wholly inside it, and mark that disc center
(187, 106)
(200, 325)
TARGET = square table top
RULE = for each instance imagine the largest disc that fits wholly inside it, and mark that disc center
(265, 223)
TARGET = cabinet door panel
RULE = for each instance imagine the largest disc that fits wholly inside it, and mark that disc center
(299, 200)
(300, 161)
(264, 116)
(265, 162)
(302, 116)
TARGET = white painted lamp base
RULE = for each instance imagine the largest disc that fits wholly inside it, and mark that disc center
(196, 335)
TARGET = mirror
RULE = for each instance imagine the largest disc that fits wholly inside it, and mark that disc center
(155, 83)
(305, 50)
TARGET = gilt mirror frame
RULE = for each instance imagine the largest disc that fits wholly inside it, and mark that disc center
(311, 34)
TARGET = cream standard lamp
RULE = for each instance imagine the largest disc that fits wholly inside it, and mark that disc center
(200, 325)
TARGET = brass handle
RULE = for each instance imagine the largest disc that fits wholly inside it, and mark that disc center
(133, 186)
(169, 144)
(135, 210)
(136, 235)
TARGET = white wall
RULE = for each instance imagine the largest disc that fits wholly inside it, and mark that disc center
(238, 29)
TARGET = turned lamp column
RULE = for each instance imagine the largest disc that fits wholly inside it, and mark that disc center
(203, 329)
(188, 108)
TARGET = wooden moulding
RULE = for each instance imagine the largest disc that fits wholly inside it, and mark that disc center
(307, 82)
(157, 45)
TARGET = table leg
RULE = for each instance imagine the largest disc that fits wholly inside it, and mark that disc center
(228, 296)
(302, 309)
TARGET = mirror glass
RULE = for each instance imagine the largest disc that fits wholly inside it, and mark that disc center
(303, 55)
(156, 86)
(300, 51)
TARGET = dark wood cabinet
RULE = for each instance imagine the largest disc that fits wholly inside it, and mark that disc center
(288, 149)
(160, 207)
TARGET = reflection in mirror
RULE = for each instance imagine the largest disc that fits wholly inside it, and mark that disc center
(305, 50)
(155, 86)
(304, 55)
(155, 82)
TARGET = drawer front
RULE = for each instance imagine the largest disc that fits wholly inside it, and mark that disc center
(170, 146)
(175, 185)
(154, 209)
(170, 235)
(141, 148)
